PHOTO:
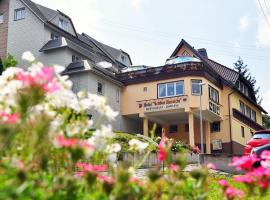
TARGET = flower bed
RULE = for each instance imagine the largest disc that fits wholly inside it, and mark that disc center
(47, 151)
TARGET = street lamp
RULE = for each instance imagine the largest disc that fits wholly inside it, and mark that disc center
(201, 123)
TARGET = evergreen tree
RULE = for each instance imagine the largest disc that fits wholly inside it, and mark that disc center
(266, 121)
(243, 69)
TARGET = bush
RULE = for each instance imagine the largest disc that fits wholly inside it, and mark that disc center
(48, 152)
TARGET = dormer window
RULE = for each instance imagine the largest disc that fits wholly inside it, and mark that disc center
(75, 58)
(63, 24)
(54, 36)
(123, 58)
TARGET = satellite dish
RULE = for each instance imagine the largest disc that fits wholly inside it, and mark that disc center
(104, 64)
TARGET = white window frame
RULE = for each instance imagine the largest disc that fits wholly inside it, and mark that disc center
(1, 18)
(213, 94)
(166, 89)
(102, 88)
(198, 82)
(22, 14)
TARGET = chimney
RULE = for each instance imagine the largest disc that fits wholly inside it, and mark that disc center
(203, 52)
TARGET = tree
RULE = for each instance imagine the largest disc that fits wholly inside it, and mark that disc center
(10, 61)
(266, 121)
(243, 69)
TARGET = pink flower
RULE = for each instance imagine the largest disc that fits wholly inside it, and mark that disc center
(244, 179)
(106, 179)
(257, 172)
(136, 181)
(211, 166)
(244, 163)
(43, 78)
(161, 149)
(223, 183)
(196, 150)
(66, 142)
(174, 168)
(232, 193)
(264, 184)
(265, 155)
(91, 168)
(10, 118)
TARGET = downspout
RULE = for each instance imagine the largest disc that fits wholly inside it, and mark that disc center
(230, 122)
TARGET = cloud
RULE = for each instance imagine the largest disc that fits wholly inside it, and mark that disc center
(263, 33)
(136, 3)
(263, 30)
(244, 23)
(266, 100)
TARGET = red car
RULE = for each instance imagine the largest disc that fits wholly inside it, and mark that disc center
(259, 138)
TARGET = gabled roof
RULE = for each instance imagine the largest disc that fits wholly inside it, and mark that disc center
(113, 52)
(48, 13)
(225, 72)
(228, 75)
(86, 66)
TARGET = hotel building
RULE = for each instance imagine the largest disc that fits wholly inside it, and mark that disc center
(170, 96)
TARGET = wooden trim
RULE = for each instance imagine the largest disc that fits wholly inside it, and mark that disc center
(243, 118)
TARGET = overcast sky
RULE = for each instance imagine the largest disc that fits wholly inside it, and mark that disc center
(149, 30)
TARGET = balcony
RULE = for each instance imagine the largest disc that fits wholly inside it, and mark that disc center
(243, 118)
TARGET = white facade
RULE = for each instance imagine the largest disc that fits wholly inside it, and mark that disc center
(31, 34)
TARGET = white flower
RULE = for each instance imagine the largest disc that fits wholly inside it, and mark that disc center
(113, 148)
(105, 132)
(58, 68)
(28, 56)
(137, 145)
(82, 94)
(109, 113)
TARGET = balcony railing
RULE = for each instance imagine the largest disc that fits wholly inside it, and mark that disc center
(243, 118)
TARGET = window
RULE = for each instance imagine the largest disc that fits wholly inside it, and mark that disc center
(1, 18)
(171, 89)
(179, 88)
(162, 90)
(75, 58)
(145, 89)
(100, 89)
(186, 128)
(173, 129)
(19, 14)
(63, 24)
(215, 127)
(253, 115)
(242, 131)
(117, 95)
(242, 107)
(248, 111)
(196, 87)
(123, 58)
(213, 94)
(54, 36)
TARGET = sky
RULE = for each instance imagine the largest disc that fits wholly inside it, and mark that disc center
(149, 30)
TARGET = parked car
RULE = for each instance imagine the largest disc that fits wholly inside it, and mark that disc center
(259, 138)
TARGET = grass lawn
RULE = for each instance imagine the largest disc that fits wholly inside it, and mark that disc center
(215, 192)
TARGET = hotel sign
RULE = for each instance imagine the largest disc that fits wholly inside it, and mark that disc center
(163, 104)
